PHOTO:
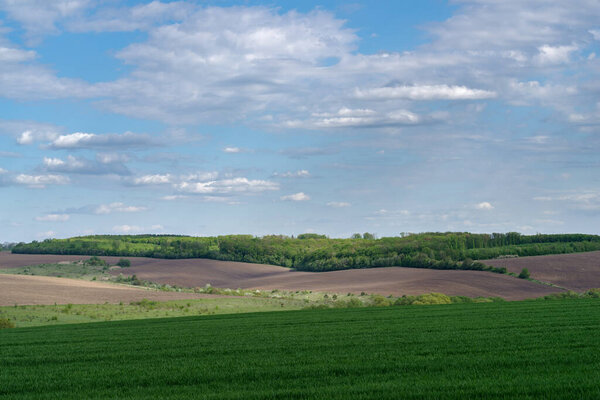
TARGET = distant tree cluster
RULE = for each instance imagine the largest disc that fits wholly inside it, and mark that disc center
(314, 252)
(7, 246)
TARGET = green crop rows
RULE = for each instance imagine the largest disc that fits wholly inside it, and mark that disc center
(494, 350)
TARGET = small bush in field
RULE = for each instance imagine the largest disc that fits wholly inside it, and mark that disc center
(6, 323)
(124, 263)
(524, 274)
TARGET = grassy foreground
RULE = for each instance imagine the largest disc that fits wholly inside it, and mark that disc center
(492, 350)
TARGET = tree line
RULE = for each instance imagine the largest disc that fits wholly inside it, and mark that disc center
(313, 252)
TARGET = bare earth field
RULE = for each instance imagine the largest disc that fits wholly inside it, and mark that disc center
(395, 281)
(33, 290)
(578, 271)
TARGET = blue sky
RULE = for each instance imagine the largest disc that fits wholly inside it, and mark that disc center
(222, 117)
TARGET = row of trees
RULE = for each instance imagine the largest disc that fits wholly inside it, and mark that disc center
(312, 252)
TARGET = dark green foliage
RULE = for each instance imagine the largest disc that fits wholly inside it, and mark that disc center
(313, 252)
(96, 262)
(6, 323)
(533, 350)
(124, 263)
(524, 274)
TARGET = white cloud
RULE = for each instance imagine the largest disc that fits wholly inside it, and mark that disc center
(225, 186)
(11, 55)
(30, 136)
(156, 179)
(300, 196)
(81, 140)
(79, 165)
(357, 118)
(39, 17)
(173, 197)
(424, 92)
(3, 171)
(555, 54)
(585, 200)
(53, 218)
(117, 207)
(127, 228)
(46, 235)
(484, 206)
(40, 181)
(302, 173)
(338, 204)
(232, 150)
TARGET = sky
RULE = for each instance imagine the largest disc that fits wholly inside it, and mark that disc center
(253, 117)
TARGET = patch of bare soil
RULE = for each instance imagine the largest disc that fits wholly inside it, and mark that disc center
(577, 271)
(30, 290)
(394, 280)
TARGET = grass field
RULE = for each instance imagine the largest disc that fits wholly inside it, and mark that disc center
(495, 350)
(62, 270)
(38, 315)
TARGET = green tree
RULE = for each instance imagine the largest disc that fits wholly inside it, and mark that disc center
(524, 274)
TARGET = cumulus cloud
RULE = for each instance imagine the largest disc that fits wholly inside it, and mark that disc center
(156, 179)
(585, 200)
(127, 229)
(78, 165)
(484, 206)
(358, 118)
(424, 92)
(46, 235)
(226, 186)
(300, 196)
(235, 63)
(555, 54)
(338, 204)
(136, 228)
(117, 207)
(39, 17)
(53, 218)
(81, 140)
(40, 181)
(174, 197)
(302, 173)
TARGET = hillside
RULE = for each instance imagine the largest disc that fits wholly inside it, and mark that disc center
(311, 252)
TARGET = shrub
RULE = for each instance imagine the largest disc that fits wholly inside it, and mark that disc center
(433, 298)
(96, 262)
(524, 274)
(6, 323)
(124, 263)
(380, 301)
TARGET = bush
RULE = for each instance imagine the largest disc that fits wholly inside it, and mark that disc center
(6, 323)
(524, 274)
(124, 263)
(380, 301)
(96, 262)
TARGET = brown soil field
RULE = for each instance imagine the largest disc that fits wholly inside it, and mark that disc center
(395, 281)
(30, 290)
(578, 271)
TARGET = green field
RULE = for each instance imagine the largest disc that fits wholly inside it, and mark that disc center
(534, 349)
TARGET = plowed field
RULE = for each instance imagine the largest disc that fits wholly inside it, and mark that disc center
(395, 281)
(20, 289)
(578, 271)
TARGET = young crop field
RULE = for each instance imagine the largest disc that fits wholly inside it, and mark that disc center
(533, 349)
